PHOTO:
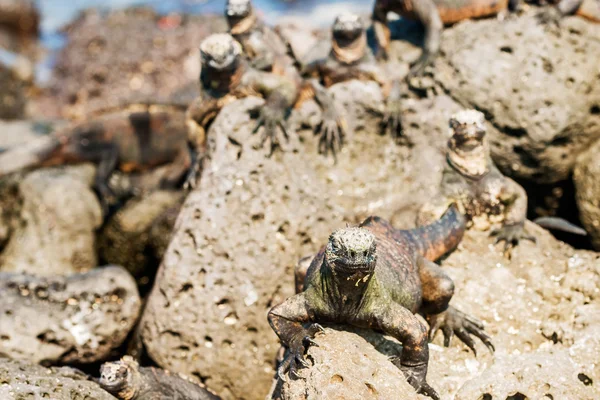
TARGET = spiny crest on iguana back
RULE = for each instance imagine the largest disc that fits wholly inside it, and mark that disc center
(238, 8)
(219, 50)
(468, 117)
(354, 246)
(347, 21)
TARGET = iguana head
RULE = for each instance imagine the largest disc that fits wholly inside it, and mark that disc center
(240, 15)
(351, 250)
(348, 27)
(467, 148)
(120, 378)
(220, 51)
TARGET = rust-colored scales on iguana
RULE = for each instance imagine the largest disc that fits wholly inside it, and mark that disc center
(136, 137)
(378, 277)
(433, 14)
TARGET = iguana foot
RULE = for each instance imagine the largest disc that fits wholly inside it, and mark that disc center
(454, 322)
(415, 376)
(297, 348)
(550, 16)
(392, 118)
(192, 177)
(271, 119)
(511, 235)
(332, 130)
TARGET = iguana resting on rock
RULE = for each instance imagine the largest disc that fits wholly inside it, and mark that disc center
(350, 58)
(265, 49)
(126, 380)
(433, 14)
(472, 182)
(375, 276)
(588, 9)
(225, 77)
(130, 138)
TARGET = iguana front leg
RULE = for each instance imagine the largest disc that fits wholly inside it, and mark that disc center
(382, 31)
(287, 321)
(400, 323)
(514, 198)
(426, 12)
(392, 117)
(280, 93)
(333, 128)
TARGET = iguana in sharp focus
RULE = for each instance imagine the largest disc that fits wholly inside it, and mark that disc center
(375, 276)
(472, 181)
(126, 380)
(433, 14)
(350, 58)
(225, 77)
(130, 138)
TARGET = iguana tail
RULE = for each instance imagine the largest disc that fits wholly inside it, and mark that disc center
(32, 154)
(560, 224)
(438, 238)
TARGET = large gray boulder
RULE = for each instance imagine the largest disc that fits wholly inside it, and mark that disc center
(539, 89)
(76, 319)
(586, 177)
(22, 380)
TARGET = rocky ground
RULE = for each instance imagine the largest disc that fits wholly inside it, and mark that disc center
(225, 252)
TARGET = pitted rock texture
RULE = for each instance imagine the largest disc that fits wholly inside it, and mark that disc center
(349, 366)
(529, 376)
(52, 230)
(368, 187)
(21, 380)
(539, 89)
(235, 243)
(137, 235)
(586, 177)
(74, 319)
(129, 54)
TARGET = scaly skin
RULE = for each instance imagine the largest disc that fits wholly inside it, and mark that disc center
(126, 380)
(350, 58)
(588, 9)
(225, 77)
(378, 277)
(471, 180)
(131, 138)
(433, 14)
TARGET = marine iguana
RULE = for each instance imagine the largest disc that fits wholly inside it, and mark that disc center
(350, 58)
(375, 276)
(433, 14)
(588, 9)
(225, 77)
(126, 380)
(472, 181)
(134, 137)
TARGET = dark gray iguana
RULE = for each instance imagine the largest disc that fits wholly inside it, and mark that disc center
(225, 77)
(350, 58)
(126, 380)
(472, 182)
(375, 276)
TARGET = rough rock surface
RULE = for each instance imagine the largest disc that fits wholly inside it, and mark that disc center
(349, 366)
(529, 376)
(235, 243)
(586, 177)
(137, 235)
(539, 89)
(51, 216)
(133, 53)
(20, 380)
(74, 319)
